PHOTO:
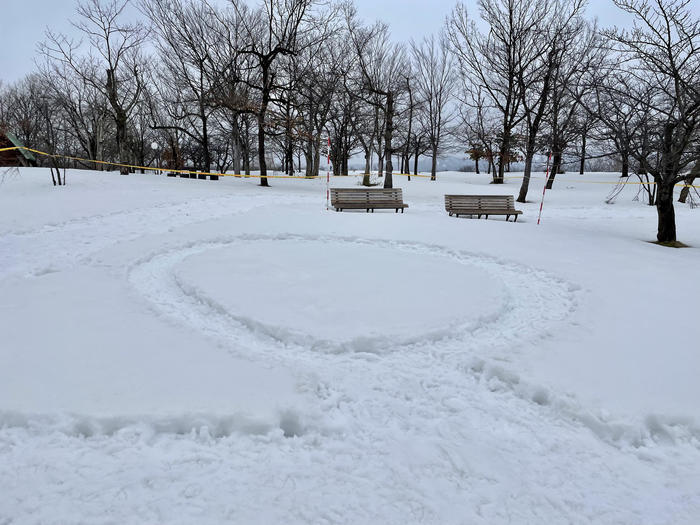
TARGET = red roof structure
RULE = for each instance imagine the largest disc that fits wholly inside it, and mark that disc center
(14, 157)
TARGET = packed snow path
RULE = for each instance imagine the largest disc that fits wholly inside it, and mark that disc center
(445, 424)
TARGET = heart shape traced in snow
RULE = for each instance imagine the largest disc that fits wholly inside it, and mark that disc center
(339, 295)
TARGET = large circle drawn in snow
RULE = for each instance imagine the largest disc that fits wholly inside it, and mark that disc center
(337, 294)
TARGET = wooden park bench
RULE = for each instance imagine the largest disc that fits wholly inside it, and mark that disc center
(200, 176)
(481, 205)
(367, 199)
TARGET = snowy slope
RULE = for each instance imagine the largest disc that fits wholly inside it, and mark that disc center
(180, 351)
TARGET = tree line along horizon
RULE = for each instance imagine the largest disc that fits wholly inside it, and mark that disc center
(235, 87)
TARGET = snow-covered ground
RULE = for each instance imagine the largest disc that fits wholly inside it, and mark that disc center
(183, 351)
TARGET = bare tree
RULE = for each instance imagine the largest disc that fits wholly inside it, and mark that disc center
(554, 41)
(270, 32)
(112, 63)
(382, 64)
(494, 61)
(23, 110)
(321, 66)
(569, 89)
(185, 76)
(478, 126)
(662, 53)
(344, 118)
(411, 109)
(435, 81)
(235, 72)
(84, 109)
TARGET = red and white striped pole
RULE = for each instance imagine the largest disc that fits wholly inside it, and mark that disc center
(328, 177)
(544, 190)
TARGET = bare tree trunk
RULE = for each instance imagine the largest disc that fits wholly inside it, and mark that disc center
(317, 156)
(368, 167)
(625, 165)
(99, 146)
(309, 157)
(388, 134)
(261, 149)
(666, 213)
(556, 168)
(433, 168)
(205, 139)
(689, 180)
(121, 145)
(406, 155)
(502, 158)
(236, 156)
(120, 120)
(415, 160)
(529, 156)
(261, 114)
(289, 156)
(686, 189)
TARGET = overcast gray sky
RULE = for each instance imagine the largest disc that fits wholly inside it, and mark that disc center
(23, 22)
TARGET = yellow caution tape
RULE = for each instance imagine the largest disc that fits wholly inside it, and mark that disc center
(187, 172)
(626, 183)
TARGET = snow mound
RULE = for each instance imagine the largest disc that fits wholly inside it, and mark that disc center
(338, 295)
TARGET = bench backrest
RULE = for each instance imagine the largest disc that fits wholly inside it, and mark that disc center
(362, 195)
(477, 202)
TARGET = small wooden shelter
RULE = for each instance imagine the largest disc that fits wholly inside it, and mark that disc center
(14, 157)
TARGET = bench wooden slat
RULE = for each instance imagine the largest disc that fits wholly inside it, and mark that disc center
(369, 199)
(481, 205)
